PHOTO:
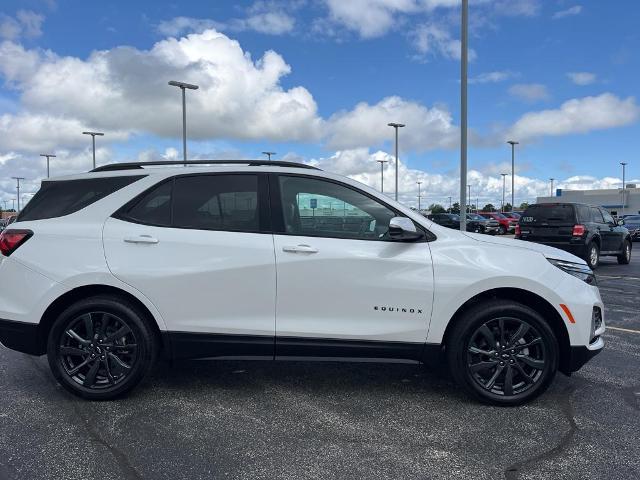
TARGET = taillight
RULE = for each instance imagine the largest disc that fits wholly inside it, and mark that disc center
(10, 240)
(517, 229)
(578, 230)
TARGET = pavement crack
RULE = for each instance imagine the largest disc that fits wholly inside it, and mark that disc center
(513, 471)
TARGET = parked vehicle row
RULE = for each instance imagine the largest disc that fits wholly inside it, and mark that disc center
(490, 223)
(587, 231)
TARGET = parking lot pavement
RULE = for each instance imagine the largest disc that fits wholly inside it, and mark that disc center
(326, 420)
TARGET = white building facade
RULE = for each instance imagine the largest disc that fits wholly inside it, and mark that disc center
(616, 201)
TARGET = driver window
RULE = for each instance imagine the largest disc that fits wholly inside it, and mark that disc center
(313, 207)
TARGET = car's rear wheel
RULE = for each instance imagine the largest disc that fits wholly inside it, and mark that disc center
(502, 353)
(625, 257)
(593, 255)
(101, 347)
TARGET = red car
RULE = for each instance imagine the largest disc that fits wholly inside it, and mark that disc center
(507, 225)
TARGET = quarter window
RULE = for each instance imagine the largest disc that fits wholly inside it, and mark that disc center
(154, 208)
(313, 207)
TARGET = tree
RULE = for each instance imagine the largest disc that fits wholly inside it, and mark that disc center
(507, 207)
(524, 205)
(455, 208)
(489, 208)
(436, 208)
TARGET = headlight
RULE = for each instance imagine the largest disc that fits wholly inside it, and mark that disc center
(578, 270)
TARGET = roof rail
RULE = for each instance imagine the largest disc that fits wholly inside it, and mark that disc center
(250, 163)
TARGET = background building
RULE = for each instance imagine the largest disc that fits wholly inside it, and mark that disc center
(611, 199)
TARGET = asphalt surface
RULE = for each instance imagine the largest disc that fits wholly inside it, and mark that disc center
(253, 420)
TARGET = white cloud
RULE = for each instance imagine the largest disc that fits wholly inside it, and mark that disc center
(582, 78)
(366, 125)
(529, 92)
(25, 24)
(430, 40)
(575, 10)
(492, 77)
(515, 8)
(579, 115)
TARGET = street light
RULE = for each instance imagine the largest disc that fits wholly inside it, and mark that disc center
(504, 187)
(51, 155)
(18, 190)
(467, 208)
(268, 154)
(464, 61)
(552, 179)
(419, 209)
(382, 162)
(183, 86)
(624, 164)
(93, 142)
(396, 126)
(513, 172)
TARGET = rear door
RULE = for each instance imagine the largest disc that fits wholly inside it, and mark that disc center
(199, 247)
(548, 223)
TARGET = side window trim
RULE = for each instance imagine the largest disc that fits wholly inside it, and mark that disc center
(263, 203)
(278, 225)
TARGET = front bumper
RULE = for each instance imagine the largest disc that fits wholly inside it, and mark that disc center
(21, 336)
(579, 355)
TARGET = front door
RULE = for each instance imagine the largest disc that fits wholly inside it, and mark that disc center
(197, 246)
(344, 289)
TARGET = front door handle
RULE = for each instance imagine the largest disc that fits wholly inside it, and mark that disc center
(141, 239)
(299, 249)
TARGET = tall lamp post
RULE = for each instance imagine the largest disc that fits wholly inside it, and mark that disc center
(268, 154)
(382, 162)
(419, 205)
(93, 142)
(184, 86)
(51, 155)
(513, 172)
(17, 179)
(624, 164)
(396, 126)
(504, 187)
(467, 208)
(551, 180)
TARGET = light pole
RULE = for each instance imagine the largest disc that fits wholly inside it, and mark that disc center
(93, 142)
(449, 203)
(513, 172)
(13, 204)
(464, 60)
(50, 155)
(268, 154)
(467, 208)
(419, 205)
(396, 126)
(183, 86)
(18, 190)
(382, 162)
(504, 187)
(551, 180)
(624, 164)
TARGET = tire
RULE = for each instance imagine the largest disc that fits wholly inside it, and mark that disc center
(503, 230)
(593, 255)
(625, 257)
(101, 347)
(481, 362)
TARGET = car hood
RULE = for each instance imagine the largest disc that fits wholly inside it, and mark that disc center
(549, 252)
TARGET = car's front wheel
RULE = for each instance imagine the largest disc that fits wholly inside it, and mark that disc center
(101, 347)
(503, 353)
(625, 257)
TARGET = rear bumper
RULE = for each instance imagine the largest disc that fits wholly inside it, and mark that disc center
(21, 336)
(580, 355)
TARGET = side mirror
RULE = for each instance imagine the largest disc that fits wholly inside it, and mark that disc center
(621, 222)
(403, 229)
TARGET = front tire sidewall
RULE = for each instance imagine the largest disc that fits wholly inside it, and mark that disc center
(458, 344)
(146, 347)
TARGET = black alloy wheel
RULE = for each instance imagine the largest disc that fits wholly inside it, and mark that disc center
(100, 348)
(502, 352)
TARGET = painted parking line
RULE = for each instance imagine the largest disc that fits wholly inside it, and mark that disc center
(618, 329)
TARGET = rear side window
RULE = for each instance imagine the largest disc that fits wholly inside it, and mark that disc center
(584, 214)
(60, 198)
(549, 214)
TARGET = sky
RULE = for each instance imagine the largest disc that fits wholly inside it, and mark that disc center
(317, 81)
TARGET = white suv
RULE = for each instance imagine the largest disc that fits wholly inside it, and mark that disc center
(105, 271)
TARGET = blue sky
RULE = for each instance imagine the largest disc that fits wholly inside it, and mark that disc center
(317, 81)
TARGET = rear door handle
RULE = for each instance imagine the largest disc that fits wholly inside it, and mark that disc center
(141, 239)
(299, 249)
